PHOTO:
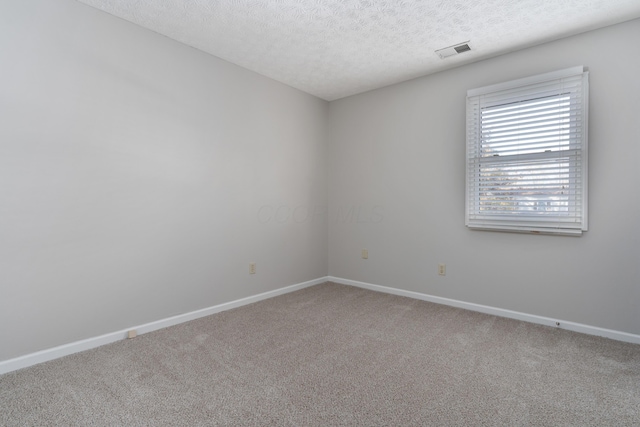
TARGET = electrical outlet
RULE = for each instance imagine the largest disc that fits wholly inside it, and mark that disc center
(442, 269)
(252, 268)
(365, 254)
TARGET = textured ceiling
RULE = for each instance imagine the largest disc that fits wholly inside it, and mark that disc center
(336, 48)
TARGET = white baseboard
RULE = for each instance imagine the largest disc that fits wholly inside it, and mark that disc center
(532, 318)
(89, 343)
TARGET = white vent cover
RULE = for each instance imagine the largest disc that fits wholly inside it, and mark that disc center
(454, 50)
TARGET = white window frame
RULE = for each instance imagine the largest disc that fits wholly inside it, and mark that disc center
(484, 209)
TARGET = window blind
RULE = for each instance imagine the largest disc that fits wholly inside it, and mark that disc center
(527, 154)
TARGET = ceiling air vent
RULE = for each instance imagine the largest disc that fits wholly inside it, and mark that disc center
(454, 50)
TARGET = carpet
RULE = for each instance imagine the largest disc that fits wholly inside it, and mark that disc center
(334, 355)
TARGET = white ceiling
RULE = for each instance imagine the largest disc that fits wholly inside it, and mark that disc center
(337, 48)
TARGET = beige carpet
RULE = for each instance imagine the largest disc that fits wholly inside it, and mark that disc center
(336, 355)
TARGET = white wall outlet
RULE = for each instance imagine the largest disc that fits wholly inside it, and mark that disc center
(442, 269)
(252, 268)
(365, 254)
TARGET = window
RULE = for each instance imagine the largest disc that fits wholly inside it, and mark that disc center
(527, 154)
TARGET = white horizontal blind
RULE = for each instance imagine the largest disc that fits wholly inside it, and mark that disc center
(526, 154)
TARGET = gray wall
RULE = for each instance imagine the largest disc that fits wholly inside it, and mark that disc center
(139, 177)
(396, 187)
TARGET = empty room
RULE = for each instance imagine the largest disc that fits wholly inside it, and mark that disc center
(319, 213)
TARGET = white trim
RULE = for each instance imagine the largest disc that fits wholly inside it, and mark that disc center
(89, 343)
(526, 81)
(555, 231)
(531, 318)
